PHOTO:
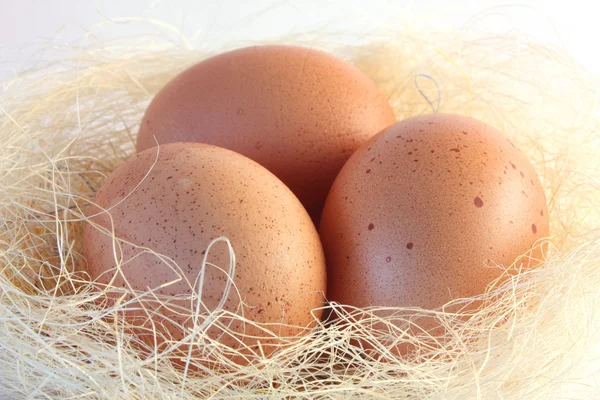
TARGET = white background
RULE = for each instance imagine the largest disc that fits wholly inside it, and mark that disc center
(33, 31)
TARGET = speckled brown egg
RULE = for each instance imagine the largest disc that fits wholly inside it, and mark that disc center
(428, 211)
(297, 111)
(175, 205)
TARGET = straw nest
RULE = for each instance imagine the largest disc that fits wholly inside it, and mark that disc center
(66, 126)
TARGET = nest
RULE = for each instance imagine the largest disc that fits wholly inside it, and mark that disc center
(66, 126)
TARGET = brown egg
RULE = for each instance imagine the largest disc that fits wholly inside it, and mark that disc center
(193, 194)
(426, 211)
(297, 111)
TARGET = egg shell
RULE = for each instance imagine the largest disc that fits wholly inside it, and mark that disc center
(426, 211)
(193, 194)
(297, 111)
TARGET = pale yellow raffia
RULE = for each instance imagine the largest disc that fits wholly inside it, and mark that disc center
(65, 127)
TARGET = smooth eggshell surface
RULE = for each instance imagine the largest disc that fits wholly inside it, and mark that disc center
(193, 194)
(426, 210)
(299, 112)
